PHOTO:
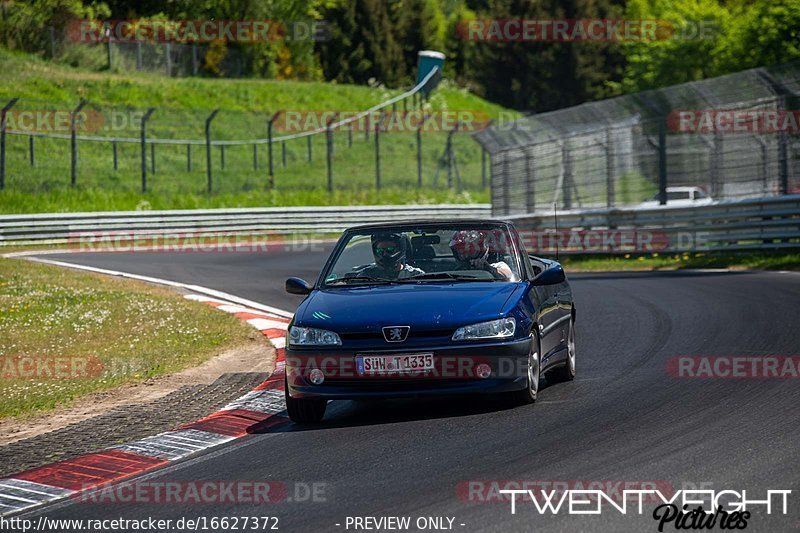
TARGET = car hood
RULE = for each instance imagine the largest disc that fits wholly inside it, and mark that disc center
(422, 306)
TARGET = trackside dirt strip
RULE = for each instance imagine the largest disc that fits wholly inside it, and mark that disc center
(261, 408)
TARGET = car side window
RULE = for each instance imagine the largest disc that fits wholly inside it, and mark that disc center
(528, 265)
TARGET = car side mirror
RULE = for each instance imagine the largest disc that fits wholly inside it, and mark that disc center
(298, 286)
(552, 276)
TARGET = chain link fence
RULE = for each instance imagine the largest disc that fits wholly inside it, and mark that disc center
(174, 59)
(730, 137)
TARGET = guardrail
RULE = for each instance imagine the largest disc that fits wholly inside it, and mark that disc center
(754, 224)
(59, 228)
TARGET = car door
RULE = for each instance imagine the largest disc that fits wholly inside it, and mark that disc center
(551, 315)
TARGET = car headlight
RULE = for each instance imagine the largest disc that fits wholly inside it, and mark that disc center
(313, 337)
(501, 328)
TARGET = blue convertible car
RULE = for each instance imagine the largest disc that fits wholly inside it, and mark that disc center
(428, 308)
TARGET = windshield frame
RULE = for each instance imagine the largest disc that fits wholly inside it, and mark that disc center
(411, 226)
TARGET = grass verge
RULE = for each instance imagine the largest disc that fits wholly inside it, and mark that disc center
(98, 199)
(634, 262)
(66, 334)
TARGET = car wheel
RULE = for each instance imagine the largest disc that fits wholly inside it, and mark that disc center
(530, 392)
(304, 410)
(567, 372)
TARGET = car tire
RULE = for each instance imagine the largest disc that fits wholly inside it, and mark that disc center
(531, 391)
(566, 372)
(305, 410)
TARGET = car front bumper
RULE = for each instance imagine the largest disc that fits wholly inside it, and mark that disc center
(455, 371)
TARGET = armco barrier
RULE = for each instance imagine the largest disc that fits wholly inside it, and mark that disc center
(55, 228)
(760, 224)
(755, 224)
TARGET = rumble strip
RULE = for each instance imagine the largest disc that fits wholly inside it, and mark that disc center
(263, 407)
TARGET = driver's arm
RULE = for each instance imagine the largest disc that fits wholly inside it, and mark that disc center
(504, 270)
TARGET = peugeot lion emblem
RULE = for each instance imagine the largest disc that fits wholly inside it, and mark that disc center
(395, 333)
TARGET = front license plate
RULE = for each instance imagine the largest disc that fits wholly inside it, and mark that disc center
(371, 365)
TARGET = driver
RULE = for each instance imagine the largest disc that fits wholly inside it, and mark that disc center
(389, 251)
(471, 250)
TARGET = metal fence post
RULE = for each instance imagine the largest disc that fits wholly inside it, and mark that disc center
(222, 156)
(662, 160)
(764, 168)
(308, 141)
(483, 167)
(419, 149)
(454, 160)
(491, 172)
(32, 150)
(530, 183)
(716, 166)
(506, 186)
(74, 143)
(115, 154)
(378, 152)
(188, 158)
(255, 157)
(283, 154)
(195, 61)
(153, 158)
(566, 184)
(610, 191)
(783, 151)
(168, 57)
(449, 155)
(329, 155)
(3, 114)
(209, 175)
(143, 139)
(272, 119)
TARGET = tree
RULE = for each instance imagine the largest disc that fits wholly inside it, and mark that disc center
(363, 44)
(25, 25)
(690, 32)
(539, 75)
(766, 32)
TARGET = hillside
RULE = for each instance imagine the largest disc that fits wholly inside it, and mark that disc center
(116, 101)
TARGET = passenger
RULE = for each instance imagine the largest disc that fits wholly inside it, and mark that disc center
(471, 251)
(389, 251)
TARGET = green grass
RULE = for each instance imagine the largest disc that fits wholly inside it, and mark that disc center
(182, 107)
(632, 262)
(113, 331)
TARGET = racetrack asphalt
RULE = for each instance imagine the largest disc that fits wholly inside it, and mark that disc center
(624, 418)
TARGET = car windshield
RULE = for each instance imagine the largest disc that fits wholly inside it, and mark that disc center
(430, 254)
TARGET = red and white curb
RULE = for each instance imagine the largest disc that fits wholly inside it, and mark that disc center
(259, 409)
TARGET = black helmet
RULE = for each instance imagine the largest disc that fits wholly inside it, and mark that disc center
(389, 249)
